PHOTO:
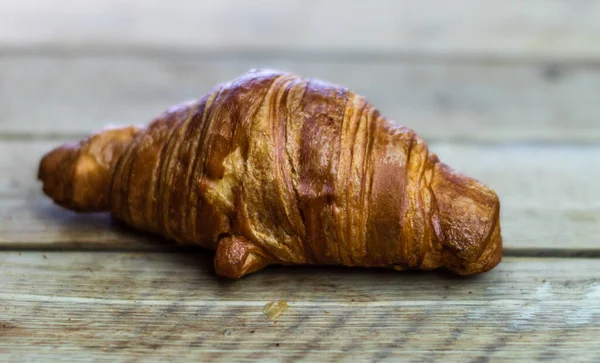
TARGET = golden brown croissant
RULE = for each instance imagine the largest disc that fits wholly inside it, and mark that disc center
(274, 169)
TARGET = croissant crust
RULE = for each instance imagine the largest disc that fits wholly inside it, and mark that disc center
(271, 168)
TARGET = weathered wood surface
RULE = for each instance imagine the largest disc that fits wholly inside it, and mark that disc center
(548, 194)
(37, 223)
(507, 29)
(480, 80)
(170, 306)
(57, 95)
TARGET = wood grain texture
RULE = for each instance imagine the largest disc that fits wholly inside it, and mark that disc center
(126, 306)
(547, 192)
(497, 74)
(548, 199)
(441, 101)
(37, 223)
(508, 29)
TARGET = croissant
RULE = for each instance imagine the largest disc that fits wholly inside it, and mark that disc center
(271, 168)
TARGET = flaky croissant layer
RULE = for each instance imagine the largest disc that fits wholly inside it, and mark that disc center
(271, 168)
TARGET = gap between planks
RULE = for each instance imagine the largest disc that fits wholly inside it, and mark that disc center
(160, 246)
(164, 53)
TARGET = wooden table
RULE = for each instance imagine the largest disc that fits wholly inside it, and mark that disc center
(506, 91)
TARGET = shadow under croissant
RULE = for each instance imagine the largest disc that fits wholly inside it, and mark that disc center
(110, 234)
(93, 231)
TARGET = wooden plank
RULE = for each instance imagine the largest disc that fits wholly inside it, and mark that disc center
(441, 101)
(505, 29)
(37, 223)
(19, 162)
(548, 194)
(131, 306)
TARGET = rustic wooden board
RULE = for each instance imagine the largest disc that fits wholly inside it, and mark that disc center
(508, 29)
(56, 95)
(480, 80)
(548, 194)
(169, 306)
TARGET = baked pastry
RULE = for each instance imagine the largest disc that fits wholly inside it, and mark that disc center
(271, 168)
